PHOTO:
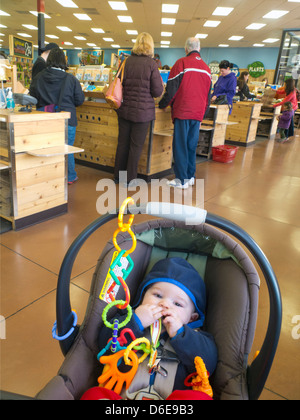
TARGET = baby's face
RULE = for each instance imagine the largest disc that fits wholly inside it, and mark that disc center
(169, 296)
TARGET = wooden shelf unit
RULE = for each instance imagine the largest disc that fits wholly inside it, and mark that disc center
(268, 123)
(213, 130)
(246, 115)
(33, 185)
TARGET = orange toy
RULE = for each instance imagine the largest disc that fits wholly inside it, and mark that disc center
(112, 377)
(200, 380)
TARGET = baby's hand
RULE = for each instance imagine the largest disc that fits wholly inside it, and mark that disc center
(148, 314)
(171, 322)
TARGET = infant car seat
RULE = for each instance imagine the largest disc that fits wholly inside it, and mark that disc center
(232, 284)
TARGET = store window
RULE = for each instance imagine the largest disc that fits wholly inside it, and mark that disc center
(288, 64)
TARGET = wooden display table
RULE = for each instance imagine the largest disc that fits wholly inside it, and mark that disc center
(33, 179)
(247, 116)
(97, 133)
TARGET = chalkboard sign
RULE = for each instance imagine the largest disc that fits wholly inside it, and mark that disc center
(20, 47)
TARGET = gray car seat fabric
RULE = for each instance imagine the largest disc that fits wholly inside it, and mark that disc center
(232, 299)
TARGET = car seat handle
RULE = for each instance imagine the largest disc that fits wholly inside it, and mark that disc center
(188, 214)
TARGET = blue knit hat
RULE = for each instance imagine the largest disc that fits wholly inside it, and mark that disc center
(182, 274)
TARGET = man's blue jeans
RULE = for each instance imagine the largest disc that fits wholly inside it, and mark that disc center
(185, 141)
(72, 175)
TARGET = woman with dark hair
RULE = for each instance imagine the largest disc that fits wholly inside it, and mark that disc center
(52, 84)
(226, 84)
(242, 83)
(290, 96)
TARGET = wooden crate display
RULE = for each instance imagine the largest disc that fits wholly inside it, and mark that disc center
(268, 123)
(97, 133)
(213, 130)
(246, 116)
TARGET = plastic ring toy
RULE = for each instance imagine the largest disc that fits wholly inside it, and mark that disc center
(127, 294)
(130, 347)
(125, 226)
(110, 305)
(132, 237)
(64, 337)
(193, 378)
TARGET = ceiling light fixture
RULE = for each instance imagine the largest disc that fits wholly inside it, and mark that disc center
(117, 5)
(168, 21)
(166, 33)
(82, 16)
(271, 40)
(24, 35)
(97, 30)
(258, 45)
(235, 38)
(52, 36)
(108, 39)
(32, 27)
(127, 19)
(223, 45)
(67, 3)
(170, 8)
(222, 11)
(132, 32)
(201, 36)
(275, 14)
(80, 38)
(256, 26)
(212, 23)
(2, 13)
(33, 12)
(64, 28)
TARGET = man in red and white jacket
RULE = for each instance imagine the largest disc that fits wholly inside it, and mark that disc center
(188, 92)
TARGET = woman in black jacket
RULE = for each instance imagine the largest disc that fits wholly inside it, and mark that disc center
(47, 87)
(244, 91)
(142, 82)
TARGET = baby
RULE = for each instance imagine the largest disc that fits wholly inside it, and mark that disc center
(174, 292)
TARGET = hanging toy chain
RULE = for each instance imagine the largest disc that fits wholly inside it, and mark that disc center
(111, 376)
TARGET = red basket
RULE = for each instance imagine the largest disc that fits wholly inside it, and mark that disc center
(224, 154)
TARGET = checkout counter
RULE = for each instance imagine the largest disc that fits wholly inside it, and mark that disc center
(97, 134)
(33, 165)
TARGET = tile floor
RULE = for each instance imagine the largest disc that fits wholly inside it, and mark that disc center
(260, 192)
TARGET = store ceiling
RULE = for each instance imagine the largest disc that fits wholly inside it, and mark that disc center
(146, 16)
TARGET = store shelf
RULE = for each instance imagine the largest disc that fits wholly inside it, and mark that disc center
(2, 166)
(55, 151)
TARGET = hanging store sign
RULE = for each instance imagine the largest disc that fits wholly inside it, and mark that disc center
(256, 69)
(214, 67)
(236, 70)
(19, 47)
